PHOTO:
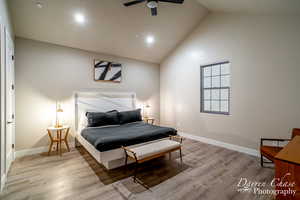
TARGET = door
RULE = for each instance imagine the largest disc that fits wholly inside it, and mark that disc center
(10, 100)
(2, 106)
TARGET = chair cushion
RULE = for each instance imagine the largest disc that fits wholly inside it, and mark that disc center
(154, 148)
(270, 151)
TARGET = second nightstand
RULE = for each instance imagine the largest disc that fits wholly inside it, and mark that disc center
(149, 120)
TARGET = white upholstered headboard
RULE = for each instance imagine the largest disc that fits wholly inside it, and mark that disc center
(102, 102)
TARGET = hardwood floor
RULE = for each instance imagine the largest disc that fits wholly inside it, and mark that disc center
(209, 172)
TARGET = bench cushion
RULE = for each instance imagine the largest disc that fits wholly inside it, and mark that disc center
(154, 148)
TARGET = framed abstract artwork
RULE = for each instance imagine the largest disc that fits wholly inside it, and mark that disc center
(107, 71)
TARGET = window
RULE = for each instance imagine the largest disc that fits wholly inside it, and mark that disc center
(215, 88)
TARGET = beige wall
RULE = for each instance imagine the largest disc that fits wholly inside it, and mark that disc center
(46, 73)
(264, 56)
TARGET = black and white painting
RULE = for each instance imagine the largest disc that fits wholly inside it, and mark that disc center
(107, 71)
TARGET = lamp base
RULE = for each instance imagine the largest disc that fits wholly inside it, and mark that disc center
(58, 126)
(145, 118)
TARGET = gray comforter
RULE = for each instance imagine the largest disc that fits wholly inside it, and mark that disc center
(108, 138)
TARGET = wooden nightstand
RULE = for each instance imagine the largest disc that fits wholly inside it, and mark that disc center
(59, 138)
(149, 120)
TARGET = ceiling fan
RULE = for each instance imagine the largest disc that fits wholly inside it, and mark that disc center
(152, 4)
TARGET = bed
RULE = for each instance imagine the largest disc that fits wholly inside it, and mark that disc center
(104, 143)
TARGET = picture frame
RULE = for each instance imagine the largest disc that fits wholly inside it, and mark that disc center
(107, 71)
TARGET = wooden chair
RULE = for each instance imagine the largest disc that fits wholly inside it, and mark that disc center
(270, 152)
(296, 131)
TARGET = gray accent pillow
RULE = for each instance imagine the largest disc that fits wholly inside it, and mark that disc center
(96, 119)
(130, 116)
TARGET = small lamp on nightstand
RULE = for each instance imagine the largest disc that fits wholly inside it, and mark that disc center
(146, 116)
(146, 110)
(59, 112)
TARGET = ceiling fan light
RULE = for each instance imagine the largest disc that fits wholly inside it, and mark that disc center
(152, 4)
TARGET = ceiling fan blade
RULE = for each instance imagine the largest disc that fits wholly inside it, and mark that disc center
(133, 2)
(172, 1)
(153, 11)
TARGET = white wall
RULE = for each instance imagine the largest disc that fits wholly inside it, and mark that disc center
(46, 73)
(264, 56)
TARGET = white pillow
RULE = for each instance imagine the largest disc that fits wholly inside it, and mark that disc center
(83, 121)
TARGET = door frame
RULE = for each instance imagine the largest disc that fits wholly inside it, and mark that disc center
(9, 87)
(4, 35)
(2, 108)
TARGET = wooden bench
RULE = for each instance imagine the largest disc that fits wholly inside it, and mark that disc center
(153, 150)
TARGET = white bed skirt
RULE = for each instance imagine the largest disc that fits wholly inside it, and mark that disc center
(109, 159)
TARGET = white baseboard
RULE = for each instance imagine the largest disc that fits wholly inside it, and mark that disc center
(234, 147)
(3, 180)
(27, 152)
(38, 150)
(9, 160)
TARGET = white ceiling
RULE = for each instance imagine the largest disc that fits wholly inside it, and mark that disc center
(263, 7)
(110, 27)
(114, 29)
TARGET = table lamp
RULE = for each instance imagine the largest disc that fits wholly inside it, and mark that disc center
(59, 112)
(146, 109)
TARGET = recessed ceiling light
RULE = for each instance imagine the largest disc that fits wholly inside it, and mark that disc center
(39, 4)
(79, 18)
(150, 39)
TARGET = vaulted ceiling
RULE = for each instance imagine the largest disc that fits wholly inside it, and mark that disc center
(261, 7)
(114, 29)
(110, 27)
